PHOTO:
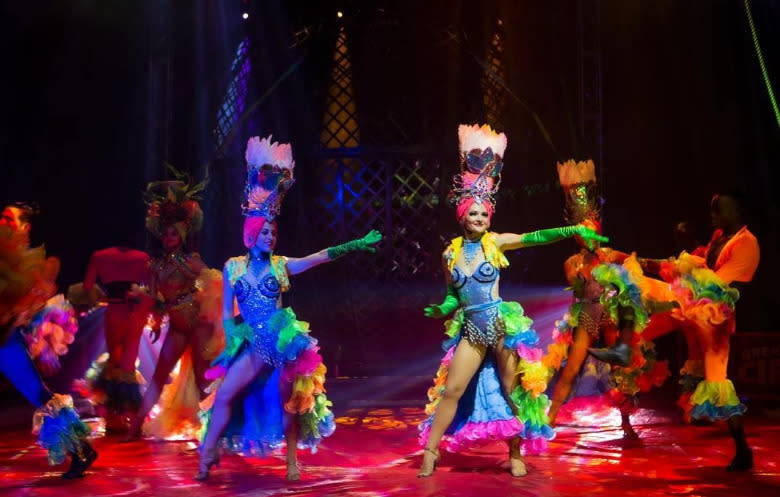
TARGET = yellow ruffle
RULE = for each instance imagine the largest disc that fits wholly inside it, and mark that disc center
(717, 393)
(493, 254)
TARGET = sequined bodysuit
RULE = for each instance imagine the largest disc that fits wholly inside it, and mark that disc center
(258, 303)
(482, 323)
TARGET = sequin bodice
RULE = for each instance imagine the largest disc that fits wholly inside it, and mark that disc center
(259, 301)
(477, 288)
(482, 323)
(172, 281)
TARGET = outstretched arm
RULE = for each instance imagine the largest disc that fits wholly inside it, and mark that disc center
(296, 265)
(511, 241)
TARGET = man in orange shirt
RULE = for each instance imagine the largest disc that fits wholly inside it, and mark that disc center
(707, 316)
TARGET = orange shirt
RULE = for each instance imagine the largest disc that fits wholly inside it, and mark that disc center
(738, 260)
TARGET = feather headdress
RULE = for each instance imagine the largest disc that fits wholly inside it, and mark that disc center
(269, 175)
(481, 161)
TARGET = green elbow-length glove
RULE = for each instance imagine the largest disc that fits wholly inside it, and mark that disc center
(367, 244)
(449, 304)
(552, 235)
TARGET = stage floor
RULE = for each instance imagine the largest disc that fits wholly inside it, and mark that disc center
(374, 453)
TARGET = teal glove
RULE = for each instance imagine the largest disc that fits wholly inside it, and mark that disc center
(552, 235)
(449, 304)
(367, 244)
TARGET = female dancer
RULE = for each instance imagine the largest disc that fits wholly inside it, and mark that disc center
(587, 319)
(175, 280)
(270, 361)
(490, 338)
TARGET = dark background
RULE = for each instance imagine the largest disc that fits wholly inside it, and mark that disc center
(685, 114)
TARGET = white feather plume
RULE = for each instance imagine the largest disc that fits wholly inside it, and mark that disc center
(481, 137)
(260, 152)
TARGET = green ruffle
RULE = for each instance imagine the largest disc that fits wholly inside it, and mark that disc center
(532, 412)
(515, 320)
(235, 336)
(285, 321)
(626, 294)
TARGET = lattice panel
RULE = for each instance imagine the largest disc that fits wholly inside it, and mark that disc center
(398, 195)
(494, 97)
(339, 125)
(234, 102)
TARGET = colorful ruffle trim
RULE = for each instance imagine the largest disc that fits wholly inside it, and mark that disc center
(51, 331)
(59, 429)
(303, 367)
(562, 338)
(311, 431)
(110, 389)
(716, 400)
(530, 404)
(702, 295)
(644, 372)
(625, 293)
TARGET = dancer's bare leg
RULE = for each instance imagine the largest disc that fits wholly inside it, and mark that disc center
(465, 362)
(170, 353)
(578, 351)
(239, 375)
(202, 356)
(290, 433)
(507, 361)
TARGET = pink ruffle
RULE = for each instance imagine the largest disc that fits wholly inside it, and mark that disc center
(534, 445)
(448, 357)
(529, 354)
(305, 365)
(472, 434)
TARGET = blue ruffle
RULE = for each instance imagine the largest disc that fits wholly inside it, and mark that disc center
(483, 401)
(707, 410)
(528, 337)
(537, 431)
(298, 344)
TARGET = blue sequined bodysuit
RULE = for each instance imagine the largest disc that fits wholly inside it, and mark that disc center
(257, 303)
(482, 323)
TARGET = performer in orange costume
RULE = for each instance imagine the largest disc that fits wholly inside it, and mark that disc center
(588, 318)
(705, 289)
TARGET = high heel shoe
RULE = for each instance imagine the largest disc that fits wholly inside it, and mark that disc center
(434, 453)
(208, 458)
